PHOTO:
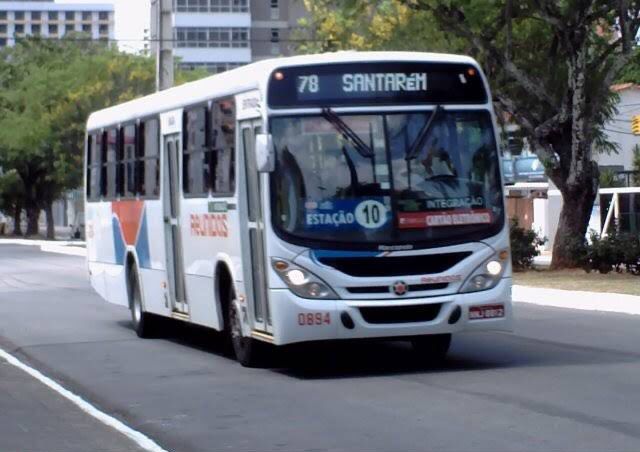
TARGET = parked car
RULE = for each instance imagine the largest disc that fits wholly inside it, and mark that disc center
(507, 172)
(529, 169)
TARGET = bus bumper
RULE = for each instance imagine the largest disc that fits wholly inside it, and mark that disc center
(297, 319)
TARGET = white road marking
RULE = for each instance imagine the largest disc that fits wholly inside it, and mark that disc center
(573, 299)
(140, 439)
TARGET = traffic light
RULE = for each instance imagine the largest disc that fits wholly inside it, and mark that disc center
(635, 124)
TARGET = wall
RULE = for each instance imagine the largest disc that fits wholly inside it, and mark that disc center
(619, 130)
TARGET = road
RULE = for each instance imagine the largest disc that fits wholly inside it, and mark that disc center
(564, 380)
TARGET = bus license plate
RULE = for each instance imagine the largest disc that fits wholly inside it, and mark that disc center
(489, 311)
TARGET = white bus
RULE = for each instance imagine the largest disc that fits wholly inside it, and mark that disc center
(336, 196)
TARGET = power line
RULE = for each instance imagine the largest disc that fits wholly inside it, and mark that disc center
(622, 132)
(63, 39)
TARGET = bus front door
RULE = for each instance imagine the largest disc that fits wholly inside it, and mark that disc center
(173, 245)
(253, 233)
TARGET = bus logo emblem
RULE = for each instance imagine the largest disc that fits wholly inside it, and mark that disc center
(399, 288)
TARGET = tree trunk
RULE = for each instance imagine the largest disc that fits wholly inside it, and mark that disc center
(33, 213)
(577, 204)
(48, 210)
(17, 219)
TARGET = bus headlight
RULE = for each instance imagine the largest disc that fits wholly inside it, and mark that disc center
(487, 275)
(302, 282)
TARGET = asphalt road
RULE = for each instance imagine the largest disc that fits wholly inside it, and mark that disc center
(565, 380)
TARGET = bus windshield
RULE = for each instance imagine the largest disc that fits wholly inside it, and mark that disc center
(399, 179)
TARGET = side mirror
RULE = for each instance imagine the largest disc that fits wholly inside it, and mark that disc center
(265, 154)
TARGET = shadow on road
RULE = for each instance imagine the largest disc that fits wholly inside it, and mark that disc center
(360, 359)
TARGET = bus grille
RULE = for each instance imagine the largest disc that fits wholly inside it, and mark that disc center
(395, 265)
(401, 314)
(387, 289)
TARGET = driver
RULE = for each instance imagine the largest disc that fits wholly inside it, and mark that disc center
(438, 163)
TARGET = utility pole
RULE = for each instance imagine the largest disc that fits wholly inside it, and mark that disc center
(162, 42)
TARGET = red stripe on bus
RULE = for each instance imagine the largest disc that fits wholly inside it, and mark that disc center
(130, 215)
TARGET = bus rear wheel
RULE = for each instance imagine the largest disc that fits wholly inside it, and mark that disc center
(434, 347)
(143, 322)
(247, 350)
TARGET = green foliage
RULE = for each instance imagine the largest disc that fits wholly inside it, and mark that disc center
(11, 191)
(376, 25)
(630, 73)
(616, 251)
(524, 246)
(608, 179)
(636, 165)
(578, 251)
(48, 88)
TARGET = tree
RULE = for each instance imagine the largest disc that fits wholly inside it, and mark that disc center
(550, 63)
(47, 91)
(11, 197)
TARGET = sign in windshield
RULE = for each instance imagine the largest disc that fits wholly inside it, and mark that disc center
(376, 83)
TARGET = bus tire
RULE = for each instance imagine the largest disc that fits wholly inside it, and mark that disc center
(434, 347)
(247, 350)
(143, 322)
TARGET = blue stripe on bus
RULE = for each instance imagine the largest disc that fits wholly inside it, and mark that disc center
(318, 254)
(142, 244)
(118, 242)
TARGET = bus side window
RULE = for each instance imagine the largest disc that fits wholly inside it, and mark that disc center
(129, 160)
(112, 163)
(148, 162)
(102, 145)
(94, 164)
(194, 171)
(223, 142)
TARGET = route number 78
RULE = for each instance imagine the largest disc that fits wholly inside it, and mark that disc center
(308, 84)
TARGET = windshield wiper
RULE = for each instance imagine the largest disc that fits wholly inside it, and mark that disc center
(363, 149)
(423, 134)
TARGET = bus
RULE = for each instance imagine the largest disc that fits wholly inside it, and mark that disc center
(348, 195)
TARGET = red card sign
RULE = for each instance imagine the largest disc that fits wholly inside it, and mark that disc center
(418, 220)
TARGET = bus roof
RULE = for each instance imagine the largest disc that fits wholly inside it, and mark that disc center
(246, 78)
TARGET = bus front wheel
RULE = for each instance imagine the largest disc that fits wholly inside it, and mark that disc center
(246, 349)
(433, 347)
(143, 322)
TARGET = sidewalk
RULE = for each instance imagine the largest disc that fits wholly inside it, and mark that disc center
(71, 247)
(573, 299)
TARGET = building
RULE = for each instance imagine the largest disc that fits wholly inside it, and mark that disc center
(273, 26)
(618, 129)
(53, 20)
(219, 35)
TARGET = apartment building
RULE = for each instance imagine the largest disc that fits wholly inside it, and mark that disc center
(219, 35)
(53, 20)
(273, 26)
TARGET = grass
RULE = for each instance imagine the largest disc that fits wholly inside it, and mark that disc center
(577, 279)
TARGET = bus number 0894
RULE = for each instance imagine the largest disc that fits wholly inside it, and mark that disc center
(314, 318)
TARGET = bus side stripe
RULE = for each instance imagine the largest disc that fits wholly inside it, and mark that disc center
(142, 243)
(118, 241)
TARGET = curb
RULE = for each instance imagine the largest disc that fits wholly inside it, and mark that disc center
(76, 243)
(573, 299)
(71, 248)
(64, 249)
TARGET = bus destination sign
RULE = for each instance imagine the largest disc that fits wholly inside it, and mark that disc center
(376, 83)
